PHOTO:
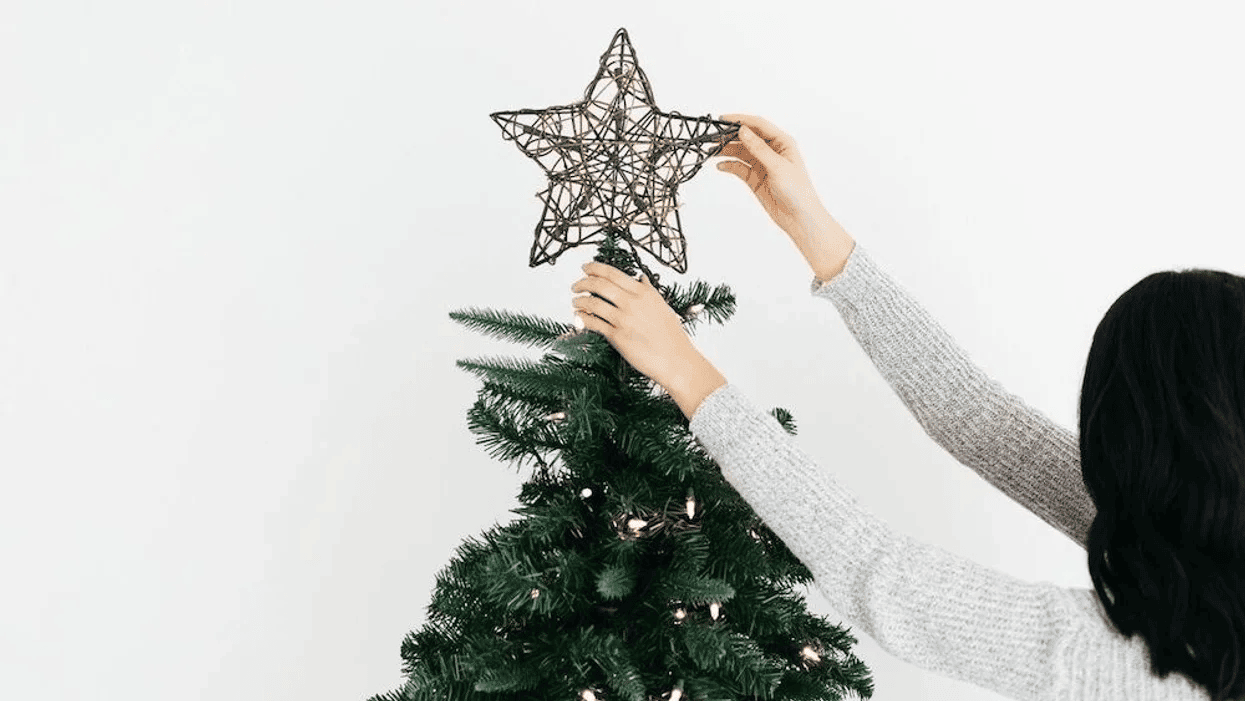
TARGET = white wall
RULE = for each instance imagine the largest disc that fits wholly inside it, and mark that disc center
(233, 441)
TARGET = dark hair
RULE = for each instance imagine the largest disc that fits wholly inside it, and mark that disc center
(1162, 438)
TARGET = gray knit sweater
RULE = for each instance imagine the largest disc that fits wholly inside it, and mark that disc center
(922, 604)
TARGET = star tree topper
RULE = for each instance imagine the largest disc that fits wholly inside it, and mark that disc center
(614, 162)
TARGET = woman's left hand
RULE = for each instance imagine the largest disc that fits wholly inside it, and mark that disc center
(636, 320)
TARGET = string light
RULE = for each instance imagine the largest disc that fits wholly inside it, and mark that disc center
(633, 527)
(811, 655)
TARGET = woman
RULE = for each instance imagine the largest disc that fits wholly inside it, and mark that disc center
(1152, 487)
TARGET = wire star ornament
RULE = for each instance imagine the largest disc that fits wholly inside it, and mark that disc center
(614, 162)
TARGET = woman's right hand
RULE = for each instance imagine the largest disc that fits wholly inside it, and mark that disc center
(770, 164)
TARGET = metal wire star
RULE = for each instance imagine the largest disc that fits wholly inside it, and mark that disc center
(614, 162)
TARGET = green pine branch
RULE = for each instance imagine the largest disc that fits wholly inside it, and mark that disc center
(574, 594)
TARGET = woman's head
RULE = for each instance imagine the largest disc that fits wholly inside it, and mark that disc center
(1162, 438)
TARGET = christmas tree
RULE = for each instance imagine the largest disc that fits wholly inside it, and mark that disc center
(636, 572)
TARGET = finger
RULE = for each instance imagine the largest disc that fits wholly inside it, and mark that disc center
(595, 308)
(588, 322)
(599, 286)
(746, 174)
(611, 274)
(759, 149)
(781, 141)
(736, 149)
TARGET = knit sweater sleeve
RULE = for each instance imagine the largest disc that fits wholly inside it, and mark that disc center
(924, 605)
(1010, 444)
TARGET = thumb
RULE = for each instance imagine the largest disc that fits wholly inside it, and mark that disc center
(735, 167)
(751, 177)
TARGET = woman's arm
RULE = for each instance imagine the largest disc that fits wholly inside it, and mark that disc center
(1007, 442)
(922, 604)
(997, 434)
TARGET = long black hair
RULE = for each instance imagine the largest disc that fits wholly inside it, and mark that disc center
(1162, 439)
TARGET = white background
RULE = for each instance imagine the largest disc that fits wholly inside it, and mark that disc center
(233, 440)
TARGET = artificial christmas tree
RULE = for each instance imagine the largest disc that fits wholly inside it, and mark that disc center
(637, 573)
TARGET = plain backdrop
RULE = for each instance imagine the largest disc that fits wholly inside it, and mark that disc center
(233, 441)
